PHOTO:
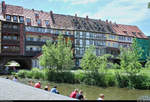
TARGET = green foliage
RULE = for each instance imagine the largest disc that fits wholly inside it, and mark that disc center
(57, 56)
(149, 5)
(37, 73)
(129, 59)
(88, 62)
(22, 73)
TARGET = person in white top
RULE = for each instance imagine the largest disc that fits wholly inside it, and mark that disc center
(15, 79)
(101, 97)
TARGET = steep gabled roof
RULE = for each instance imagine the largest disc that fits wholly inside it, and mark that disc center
(128, 30)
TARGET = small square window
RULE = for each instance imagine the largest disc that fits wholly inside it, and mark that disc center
(8, 17)
(36, 15)
(28, 20)
(15, 18)
(39, 22)
(47, 22)
(21, 19)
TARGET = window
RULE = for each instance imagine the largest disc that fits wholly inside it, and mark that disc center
(125, 32)
(36, 15)
(28, 20)
(87, 35)
(87, 42)
(39, 22)
(15, 18)
(21, 19)
(15, 26)
(8, 17)
(14, 38)
(47, 23)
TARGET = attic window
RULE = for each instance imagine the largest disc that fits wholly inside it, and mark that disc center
(36, 15)
(47, 22)
(134, 33)
(15, 18)
(8, 17)
(39, 22)
(21, 19)
(125, 32)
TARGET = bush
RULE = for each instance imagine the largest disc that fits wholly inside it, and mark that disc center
(22, 73)
(122, 80)
(29, 74)
(79, 76)
(37, 73)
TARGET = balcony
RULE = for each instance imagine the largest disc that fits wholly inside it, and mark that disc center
(14, 42)
(39, 43)
(32, 53)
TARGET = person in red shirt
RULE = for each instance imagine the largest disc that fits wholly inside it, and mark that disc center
(74, 93)
(37, 85)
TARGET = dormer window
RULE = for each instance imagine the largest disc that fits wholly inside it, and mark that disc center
(21, 19)
(134, 33)
(8, 17)
(28, 20)
(47, 22)
(125, 32)
(39, 22)
(36, 15)
(15, 18)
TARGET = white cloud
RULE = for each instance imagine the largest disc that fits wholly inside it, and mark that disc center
(122, 11)
(76, 2)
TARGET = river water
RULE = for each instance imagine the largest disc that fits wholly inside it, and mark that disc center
(111, 93)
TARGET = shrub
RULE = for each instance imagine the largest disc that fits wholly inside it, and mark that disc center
(122, 80)
(22, 73)
(29, 74)
(37, 73)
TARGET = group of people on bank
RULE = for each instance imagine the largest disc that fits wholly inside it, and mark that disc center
(75, 94)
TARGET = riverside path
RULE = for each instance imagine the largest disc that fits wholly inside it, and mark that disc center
(10, 90)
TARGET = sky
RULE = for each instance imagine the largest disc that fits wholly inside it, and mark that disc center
(129, 12)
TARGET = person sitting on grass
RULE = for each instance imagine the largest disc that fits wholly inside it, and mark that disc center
(46, 88)
(101, 97)
(37, 85)
(54, 90)
(15, 78)
(80, 95)
(74, 93)
(31, 83)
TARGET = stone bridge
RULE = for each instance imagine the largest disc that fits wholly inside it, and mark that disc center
(24, 61)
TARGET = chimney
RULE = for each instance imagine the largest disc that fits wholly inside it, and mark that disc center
(3, 6)
(110, 22)
(106, 20)
(75, 15)
(42, 11)
(87, 18)
(51, 12)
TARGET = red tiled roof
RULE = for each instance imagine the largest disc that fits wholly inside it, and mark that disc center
(120, 28)
(59, 21)
(14, 10)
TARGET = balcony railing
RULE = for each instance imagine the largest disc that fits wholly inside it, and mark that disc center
(39, 43)
(32, 53)
(16, 42)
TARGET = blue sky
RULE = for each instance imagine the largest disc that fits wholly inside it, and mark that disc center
(130, 12)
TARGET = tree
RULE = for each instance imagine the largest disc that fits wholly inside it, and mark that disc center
(93, 63)
(149, 5)
(58, 55)
(88, 62)
(130, 59)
